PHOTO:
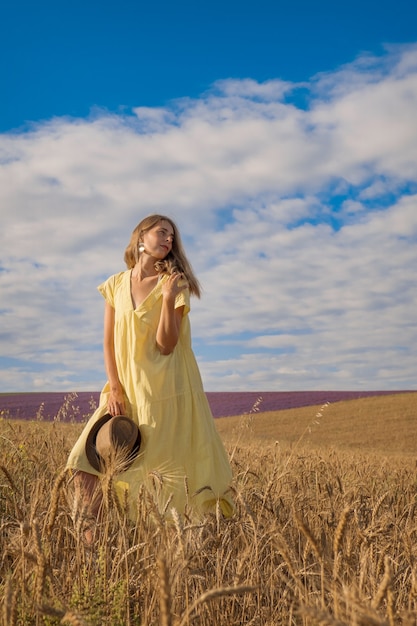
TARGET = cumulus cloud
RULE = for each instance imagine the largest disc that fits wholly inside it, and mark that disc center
(300, 221)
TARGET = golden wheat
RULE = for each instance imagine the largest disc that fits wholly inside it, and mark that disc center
(320, 536)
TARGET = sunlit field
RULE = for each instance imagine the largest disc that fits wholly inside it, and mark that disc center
(325, 528)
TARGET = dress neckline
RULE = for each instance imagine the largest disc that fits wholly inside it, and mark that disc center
(137, 306)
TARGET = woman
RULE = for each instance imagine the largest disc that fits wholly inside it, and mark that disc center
(154, 379)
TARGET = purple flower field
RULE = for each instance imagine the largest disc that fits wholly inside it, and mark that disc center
(70, 407)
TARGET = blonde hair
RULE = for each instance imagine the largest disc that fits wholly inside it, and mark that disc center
(175, 261)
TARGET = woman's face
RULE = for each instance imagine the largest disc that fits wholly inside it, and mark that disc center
(158, 240)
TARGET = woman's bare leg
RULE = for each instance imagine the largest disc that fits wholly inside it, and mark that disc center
(88, 495)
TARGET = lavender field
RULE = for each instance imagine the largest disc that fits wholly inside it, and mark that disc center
(79, 406)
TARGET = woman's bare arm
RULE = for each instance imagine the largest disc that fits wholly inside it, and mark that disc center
(116, 403)
(169, 326)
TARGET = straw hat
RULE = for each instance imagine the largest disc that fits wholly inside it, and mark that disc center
(108, 436)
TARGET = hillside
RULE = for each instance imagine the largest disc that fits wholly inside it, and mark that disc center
(381, 424)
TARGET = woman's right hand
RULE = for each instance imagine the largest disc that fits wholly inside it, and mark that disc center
(116, 403)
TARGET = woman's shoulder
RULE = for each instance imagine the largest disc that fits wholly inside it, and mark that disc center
(113, 282)
(120, 276)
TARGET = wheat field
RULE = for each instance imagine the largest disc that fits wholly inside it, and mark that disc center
(324, 531)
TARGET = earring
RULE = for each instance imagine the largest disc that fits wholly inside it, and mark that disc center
(141, 247)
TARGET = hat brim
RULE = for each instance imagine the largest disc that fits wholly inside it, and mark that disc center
(90, 445)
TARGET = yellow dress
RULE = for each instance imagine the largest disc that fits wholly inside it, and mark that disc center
(182, 459)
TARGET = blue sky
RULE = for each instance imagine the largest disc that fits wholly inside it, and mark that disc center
(66, 58)
(281, 136)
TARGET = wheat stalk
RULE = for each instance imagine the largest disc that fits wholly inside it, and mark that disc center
(54, 500)
(214, 594)
(9, 612)
(164, 593)
(41, 564)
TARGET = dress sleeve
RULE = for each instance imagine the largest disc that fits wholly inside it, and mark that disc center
(107, 290)
(183, 299)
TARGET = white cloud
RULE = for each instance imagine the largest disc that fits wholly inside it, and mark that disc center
(268, 91)
(296, 221)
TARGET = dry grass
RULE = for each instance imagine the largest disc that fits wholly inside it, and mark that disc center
(324, 531)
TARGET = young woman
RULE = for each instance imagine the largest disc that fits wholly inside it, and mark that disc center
(153, 378)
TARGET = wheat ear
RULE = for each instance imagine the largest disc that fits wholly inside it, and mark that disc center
(165, 593)
(384, 585)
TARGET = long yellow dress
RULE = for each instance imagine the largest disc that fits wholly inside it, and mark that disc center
(182, 459)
